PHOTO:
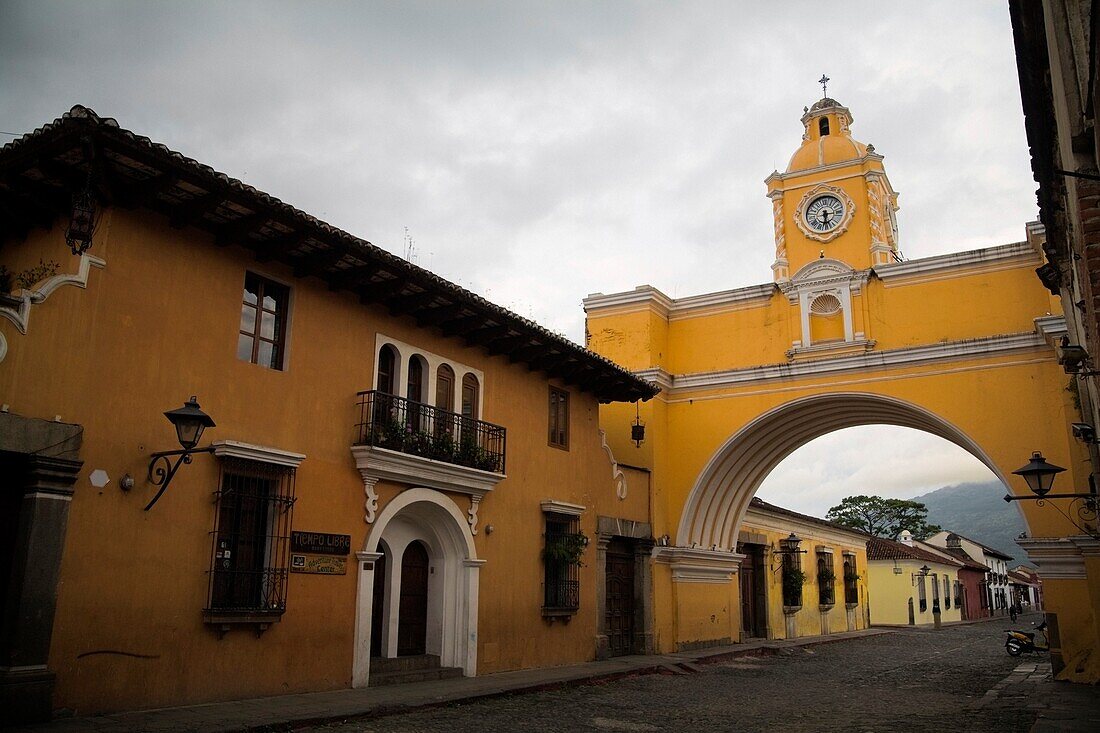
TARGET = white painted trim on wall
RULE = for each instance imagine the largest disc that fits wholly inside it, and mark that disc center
(258, 453)
(380, 464)
(562, 507)
(696, 565)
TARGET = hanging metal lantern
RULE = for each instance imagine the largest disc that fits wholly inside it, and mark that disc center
(82, 221)
(637, 430)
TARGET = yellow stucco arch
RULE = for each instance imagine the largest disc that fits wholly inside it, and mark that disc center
(722, 492)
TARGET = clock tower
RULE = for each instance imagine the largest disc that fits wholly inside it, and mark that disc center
(834, 200)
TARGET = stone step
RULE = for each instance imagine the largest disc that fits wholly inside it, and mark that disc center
(379, 679)
(412, 663)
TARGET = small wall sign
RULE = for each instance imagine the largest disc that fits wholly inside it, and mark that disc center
(320, 543)
(319, 564)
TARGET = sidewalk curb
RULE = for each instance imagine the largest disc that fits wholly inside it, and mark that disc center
(304, 711)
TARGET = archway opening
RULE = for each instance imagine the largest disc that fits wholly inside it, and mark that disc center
(717, 503)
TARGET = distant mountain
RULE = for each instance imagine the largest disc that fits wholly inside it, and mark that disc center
(978, 511)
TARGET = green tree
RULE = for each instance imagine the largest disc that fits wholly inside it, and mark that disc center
(883, 517)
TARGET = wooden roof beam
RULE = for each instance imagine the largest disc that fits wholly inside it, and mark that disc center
(352, 276)
(439, 314)
(463, 325)
(317, 264)
(402, 305)
(236, 232)
(482, 336)
(188, 213)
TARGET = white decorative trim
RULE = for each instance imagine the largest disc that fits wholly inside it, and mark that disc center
(694, 565)
(475, 502)
(1057, 557)
(909, 356)
(21, 316)
(757, 517)
(47, 495)
(432, 363)
(370, 503)
(387, 465)
(1023, 251)
(1051, 327)
(616, 474)
(258, 453)
(845, 221)
(562, 507)
(647, 296)
(656, 376)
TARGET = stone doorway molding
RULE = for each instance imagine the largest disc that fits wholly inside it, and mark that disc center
(640, 536)
(38, 471)
(431, 517)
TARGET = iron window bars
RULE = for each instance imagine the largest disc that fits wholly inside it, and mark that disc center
(250, 550)
(561, 579)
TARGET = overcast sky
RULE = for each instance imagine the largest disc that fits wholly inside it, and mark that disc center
(540, 152)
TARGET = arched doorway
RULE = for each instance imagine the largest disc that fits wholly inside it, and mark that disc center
(426, 600)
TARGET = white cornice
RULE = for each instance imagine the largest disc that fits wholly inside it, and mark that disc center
(696, 565)
(1053, 328)
(562, 507)
(910, 356)
(1056, 557)
(258, 453)
(380, 464)
(656, 376)
(673, 309)
(776, 176)
(958, 261)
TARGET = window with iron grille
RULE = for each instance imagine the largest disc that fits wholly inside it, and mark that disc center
(826, 579)
(946, 592)
(793, 579)
(251, 538)
(958, 594)
(935, 593)
(561, 561)
(851, 578)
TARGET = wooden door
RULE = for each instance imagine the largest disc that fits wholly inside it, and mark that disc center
(748, 594)
(379, 603)
(619, 618)
(412, 622)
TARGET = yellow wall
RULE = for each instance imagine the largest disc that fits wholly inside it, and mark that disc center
(891, 591)
(158, 324)
(808, 620)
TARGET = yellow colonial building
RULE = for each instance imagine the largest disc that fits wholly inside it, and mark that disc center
(396, 478)
(800, 576)
(848, 332)
(911, 583)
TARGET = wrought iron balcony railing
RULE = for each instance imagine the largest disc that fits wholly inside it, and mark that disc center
(395, 423)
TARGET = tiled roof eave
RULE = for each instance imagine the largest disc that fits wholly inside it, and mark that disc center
(40, 170)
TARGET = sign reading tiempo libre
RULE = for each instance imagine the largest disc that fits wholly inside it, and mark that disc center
(319, 553)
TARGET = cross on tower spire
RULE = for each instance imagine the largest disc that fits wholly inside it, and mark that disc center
(823, 81)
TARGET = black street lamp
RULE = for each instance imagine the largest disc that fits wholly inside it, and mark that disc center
(1040, 475)
(190, 422)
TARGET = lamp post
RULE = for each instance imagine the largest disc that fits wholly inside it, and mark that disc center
(190, 422)
(1039, 476)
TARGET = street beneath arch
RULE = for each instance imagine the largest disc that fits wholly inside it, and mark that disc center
(955, 679)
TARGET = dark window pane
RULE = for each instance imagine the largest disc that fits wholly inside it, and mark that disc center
(251, 288)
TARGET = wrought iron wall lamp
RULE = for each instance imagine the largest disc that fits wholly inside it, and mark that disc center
(190, 422)
(1040, 475)
(789, 547)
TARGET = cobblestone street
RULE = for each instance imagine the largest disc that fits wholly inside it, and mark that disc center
(910, 680)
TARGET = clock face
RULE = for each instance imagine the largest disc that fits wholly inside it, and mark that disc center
(824, 213)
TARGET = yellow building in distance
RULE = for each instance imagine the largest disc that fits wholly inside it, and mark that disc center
(911, 583)
(849, 333)
(801, 576)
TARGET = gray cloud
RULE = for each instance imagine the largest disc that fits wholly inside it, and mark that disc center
(538, 152)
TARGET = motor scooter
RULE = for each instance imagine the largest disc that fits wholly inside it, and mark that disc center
(1019, 642)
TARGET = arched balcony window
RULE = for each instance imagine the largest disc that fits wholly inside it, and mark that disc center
(387, 363)
(471, 393)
